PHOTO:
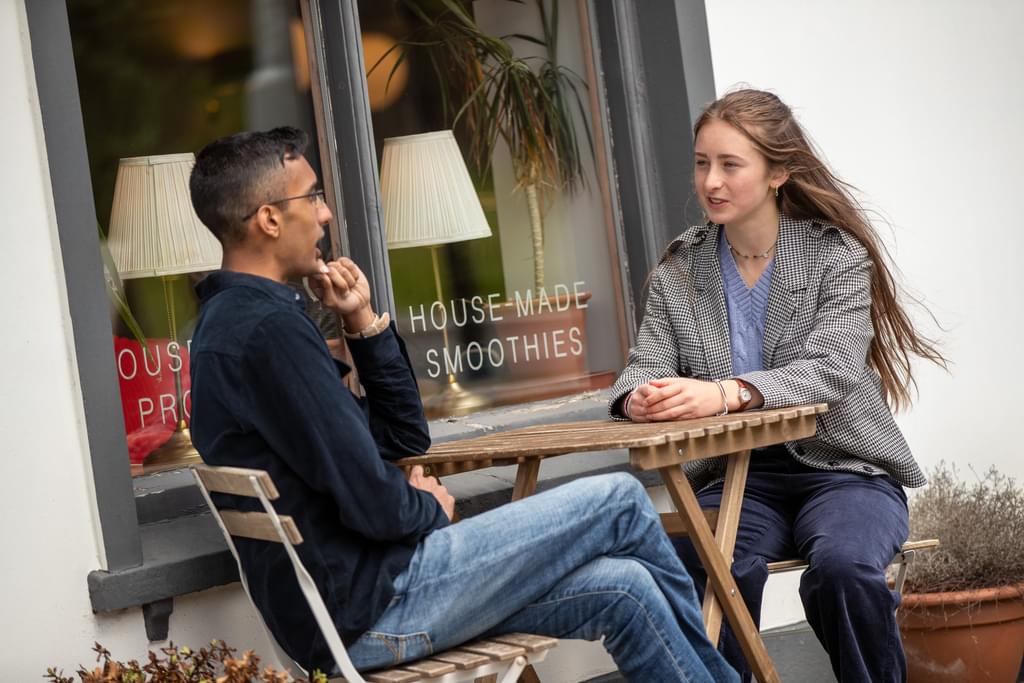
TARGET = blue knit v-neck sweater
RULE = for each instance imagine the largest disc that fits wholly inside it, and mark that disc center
(747, 307)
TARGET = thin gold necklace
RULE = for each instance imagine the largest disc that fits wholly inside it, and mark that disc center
(764, 254)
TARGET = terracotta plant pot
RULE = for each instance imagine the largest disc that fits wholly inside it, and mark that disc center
(964, 636)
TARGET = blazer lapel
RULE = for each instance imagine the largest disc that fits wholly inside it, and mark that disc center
(789, 280)
(709, 313)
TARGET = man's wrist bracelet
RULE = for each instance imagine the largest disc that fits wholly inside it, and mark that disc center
(379, 324)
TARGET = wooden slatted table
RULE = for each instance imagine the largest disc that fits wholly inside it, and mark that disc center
(660, 446)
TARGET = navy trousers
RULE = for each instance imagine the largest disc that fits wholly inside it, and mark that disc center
(848, 527)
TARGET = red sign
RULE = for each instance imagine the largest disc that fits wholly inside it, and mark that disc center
(149, 391)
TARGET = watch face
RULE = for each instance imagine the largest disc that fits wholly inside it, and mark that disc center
(745, 394)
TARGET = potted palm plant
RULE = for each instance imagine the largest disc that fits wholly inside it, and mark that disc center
(528, 103)
(962, 617)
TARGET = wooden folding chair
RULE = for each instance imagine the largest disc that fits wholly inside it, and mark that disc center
(503, 657)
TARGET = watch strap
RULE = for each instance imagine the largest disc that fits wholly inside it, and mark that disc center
(379, 324)
(739, 394)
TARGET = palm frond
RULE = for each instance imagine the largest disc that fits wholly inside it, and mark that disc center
(498, 95)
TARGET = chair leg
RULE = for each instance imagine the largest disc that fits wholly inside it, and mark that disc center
(905, 558)
(513, 672)
(529, 675)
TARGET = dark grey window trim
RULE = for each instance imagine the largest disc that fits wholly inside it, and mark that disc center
(57, 86)
(656, 62)
(347, 103)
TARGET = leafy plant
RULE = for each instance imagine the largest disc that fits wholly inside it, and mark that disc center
(218, 664)
(980, 527)
(526, 102)
(116, 293)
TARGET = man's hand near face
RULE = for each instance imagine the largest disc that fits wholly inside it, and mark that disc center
(343, 288)
(434, 487)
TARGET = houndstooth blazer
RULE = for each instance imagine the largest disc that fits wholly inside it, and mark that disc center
(817, 333)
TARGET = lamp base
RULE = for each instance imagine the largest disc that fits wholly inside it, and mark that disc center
(176, 452)
(454, 400)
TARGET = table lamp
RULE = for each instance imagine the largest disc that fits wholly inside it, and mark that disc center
(429, 200)
(154, 232)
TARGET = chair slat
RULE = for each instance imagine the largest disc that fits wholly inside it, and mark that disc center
(495, 650)
(392, 676)
(924, 544)
(463, 660)
(785, 565)
(429, 667)
(258, 525)
(235, 480)
(532, 643)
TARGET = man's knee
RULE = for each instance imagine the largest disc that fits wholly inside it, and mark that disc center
(626, 587)
(623, 483)
(620, 486)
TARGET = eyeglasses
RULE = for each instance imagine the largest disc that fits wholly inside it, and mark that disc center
(317, 196)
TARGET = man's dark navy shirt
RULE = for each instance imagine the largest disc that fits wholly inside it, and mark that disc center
(267, 394)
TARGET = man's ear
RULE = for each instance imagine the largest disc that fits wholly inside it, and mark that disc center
(267, 222)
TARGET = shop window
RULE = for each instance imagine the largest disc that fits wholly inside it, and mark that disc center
(500, 333)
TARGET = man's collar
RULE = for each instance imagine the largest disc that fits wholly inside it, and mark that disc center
(221, 280)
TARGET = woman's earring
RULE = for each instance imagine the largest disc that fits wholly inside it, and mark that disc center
(776, 191)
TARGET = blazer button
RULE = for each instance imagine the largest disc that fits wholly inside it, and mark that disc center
(833, 463)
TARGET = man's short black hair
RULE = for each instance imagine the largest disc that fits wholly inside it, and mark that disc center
(238, 173)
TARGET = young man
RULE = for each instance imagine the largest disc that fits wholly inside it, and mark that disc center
(586, 560)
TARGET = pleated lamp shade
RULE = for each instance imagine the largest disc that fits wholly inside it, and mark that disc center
(153, 228)
(427, 194)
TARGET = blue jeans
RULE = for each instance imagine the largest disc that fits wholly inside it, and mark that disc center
(585, 560)
(848, 527)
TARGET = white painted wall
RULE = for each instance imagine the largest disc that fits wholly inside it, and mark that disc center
(918, 103)
(50, 537)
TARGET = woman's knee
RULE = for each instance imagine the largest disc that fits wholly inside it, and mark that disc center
(751, 574)
(838, 571)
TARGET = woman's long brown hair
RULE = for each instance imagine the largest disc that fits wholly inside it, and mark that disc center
(814, 192)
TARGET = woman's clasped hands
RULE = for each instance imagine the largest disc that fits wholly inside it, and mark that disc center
(674, 398)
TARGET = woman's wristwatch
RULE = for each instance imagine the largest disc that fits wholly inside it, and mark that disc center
(744, 394)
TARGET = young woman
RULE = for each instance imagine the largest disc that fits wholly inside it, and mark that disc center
(784, 298)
